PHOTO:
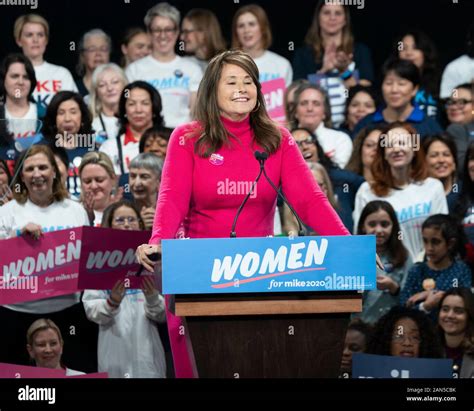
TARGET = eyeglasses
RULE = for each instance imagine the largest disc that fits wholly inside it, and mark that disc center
(122, 220)
(96, 50)
(167, 31)
(399, 338)
(461, 102)
(308, 140)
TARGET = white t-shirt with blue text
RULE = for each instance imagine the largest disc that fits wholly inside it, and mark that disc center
(272, 66)
(413, 205)
(175, 80)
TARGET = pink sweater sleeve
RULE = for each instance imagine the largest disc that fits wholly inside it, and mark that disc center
(303, 193)
(175, 188)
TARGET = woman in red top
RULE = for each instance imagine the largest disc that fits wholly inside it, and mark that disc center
(206, 156)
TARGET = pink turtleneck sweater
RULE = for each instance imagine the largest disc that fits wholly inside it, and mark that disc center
(205, 193)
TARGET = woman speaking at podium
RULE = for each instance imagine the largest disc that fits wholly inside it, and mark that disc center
(209, 158)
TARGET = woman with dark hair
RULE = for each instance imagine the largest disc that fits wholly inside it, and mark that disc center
(252, 34)
(378, 218)
(464, 209)
(18, 110)
(41, 205)
(155, 140)
(232, 123)
(139, 109)
(459, 105)
(400, 177)
(401, 82)
(404, 332)
(68, 124)
(443, 267)
(357, 336)
(415, 46)
(361, 101)
(332, 58)
(135, 44)
(456, 329)
(441, 162)
(202, 36)
(364, 152)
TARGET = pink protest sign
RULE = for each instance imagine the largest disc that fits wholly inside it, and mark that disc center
(23, 371)
(37, 269)
(274, 94)
(108, 255)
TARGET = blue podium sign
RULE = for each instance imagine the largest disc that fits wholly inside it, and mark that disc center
(270, 264)
(382, 366)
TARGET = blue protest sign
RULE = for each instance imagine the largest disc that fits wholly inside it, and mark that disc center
(271, 264)
(382, 366)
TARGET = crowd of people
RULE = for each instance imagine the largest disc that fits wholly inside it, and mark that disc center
(394, 160)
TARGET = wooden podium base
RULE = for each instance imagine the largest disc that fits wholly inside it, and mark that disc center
(275, 336)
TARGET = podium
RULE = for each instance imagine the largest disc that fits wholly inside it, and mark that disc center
(291, 334)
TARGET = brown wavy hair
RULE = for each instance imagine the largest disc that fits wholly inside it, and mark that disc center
(59, 190)
(383, 179)
(212, 134)
(315, 41)
(355, 162)
(263, 22)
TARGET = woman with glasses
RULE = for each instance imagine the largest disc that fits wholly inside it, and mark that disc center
(456, 329)
(202, 36)
(176, 78)
(129, 341)
(98, 184)
(31, 33)
(94, 49)
(405, 332)
(459, 105)
(252, 34)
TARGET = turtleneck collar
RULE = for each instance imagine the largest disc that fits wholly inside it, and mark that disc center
(237, 128)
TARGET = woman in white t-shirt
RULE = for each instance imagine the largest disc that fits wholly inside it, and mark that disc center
(176, 78)
(400, 178)
(108, 81)
(31, 33)
(18, 111)
(139, 109)
(251, 32)
(41, 205)
(311, 110)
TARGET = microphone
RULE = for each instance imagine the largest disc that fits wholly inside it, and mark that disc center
(152, 257)
(239, 210)
(261, 157)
